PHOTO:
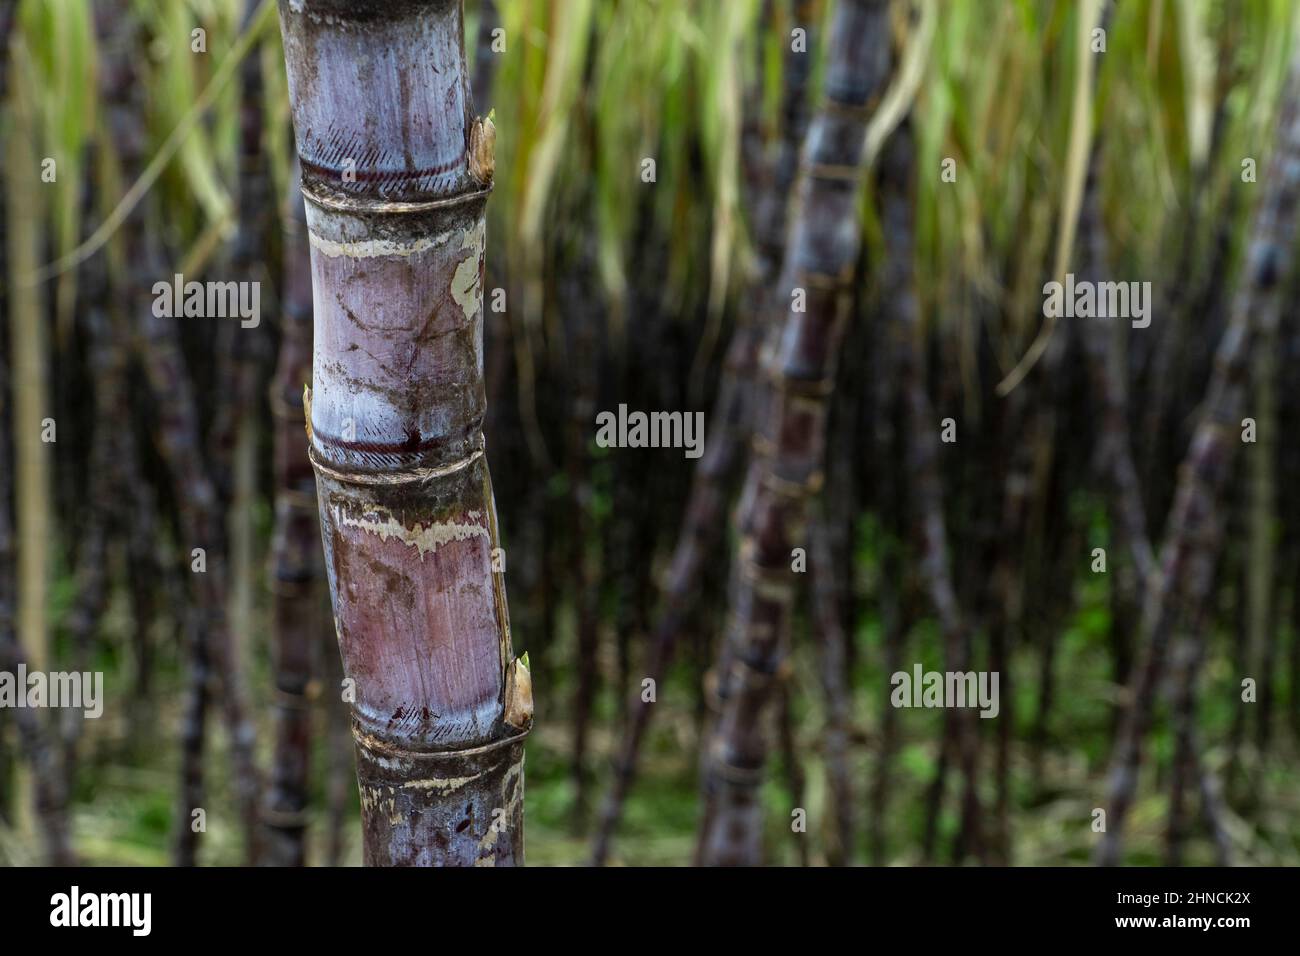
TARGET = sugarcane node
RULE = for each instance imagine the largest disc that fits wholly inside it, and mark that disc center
(833, 173)
(792, 490)
(761, 445)
(851, 109)
(407, 476)
(730, 773)
(757, 673)
(282, 586)
(772, 583)
(817, 388)
(288, 700)
(392, 750)
(710, 686)
(285, 819)
(829, 281)
(384, 207)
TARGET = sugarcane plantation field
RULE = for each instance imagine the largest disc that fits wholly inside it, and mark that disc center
(649, 433)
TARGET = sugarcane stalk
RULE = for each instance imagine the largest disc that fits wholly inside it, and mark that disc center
(23, 461)
(730, 420)
(897, 213)
(238, 347)
(889, 495)
(785, 467)
(832, 672)
(233, 439)
(47, 790)
(395, 205)
(1190, 547)
(178, 436)
(832, 595)
(340, 765)
(142, 552)
(47, 777)
(1261, 637)
(107, 367)
(295, 557)
(212, 648)
(1105, 351)
(29, 357)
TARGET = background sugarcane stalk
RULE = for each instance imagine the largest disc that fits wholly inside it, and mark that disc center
(730, 422)
(242, 352)
(295, 556)
(47, 776)
(890, 493)
(786, 466)
(1104, 349)
(237, 346)
(1189, 772)
(395, 423)
(43, 788)
(832, 673)
(107, 361)
(584, 581)
(29, 354)
(897, 191)
(1194, 526)
(178, 435)
(1107, 357)
(212, 644)
(9, 768)
(833, 610)
(1261, 639)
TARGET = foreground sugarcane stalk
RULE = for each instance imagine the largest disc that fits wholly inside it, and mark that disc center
(396, 178)
(1181, 586)
(786, 467)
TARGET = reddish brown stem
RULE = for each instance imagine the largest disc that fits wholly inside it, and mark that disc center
(786, 467)
(1189, 551)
